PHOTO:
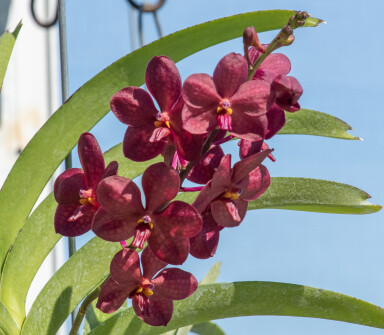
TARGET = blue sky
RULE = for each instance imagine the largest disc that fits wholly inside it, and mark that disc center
(340, 68)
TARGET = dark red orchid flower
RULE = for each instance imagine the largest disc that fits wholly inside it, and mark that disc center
(149, 130)
(152, 298)
(274, 70)
(230, 190)
(166, 226)
(75, 189)
(226, 100)
(205, 243)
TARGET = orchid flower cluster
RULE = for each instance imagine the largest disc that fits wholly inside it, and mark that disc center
(245, 99)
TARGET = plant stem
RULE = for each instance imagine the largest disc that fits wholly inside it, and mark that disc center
(207, 144)
(283, 38)
(83, 310)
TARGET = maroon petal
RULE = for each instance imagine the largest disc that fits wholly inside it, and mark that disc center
(137, 145)
(255, 184)
(276, 121)
(199, 91)
(134, 107)
(253, 98)
(205, 197)
(276, 63)
(111, 169)
(204, 244)
(163, 81)
(161, 184)
(229, 213)
(230, 73)
(249, 148)
(199, 121)
(222, 177)
(112, 296)
(175, 284)
(91, 159)
(119, 195)
(68, 185)
(179, 219)
(112, 228)
(125, 269)
(151, 264)
(73, 220)
(158, 312)
(173, 250)
(242, 168)
(288, 92)
(251, 128)
(203, 171)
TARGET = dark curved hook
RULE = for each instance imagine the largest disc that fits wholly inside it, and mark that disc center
(40, 23)
(146, 7)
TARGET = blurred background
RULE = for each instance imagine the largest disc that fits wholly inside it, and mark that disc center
(340, 67)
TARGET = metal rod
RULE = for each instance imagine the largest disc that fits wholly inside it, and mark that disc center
(157, 23)
(140, 24)
(64, 91)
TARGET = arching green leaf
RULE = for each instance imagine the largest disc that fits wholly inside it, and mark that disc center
(310, 122)
(7, 42)
(314, 195)
(207, 328)
(226, 300)
(8, 325)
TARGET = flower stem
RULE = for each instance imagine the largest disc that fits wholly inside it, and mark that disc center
(83, 309)
(207, 144)
(283, 38)
(223, 140)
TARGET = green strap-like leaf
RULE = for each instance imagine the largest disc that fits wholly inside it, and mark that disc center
(309, 195)
(218, 301)
(91, 102)
(86, 269)
(314, 195)
(38, 237)
(309, 122)
(7, 42)
(94, 316)
(209, 278)
(207, 328)
(8, 325)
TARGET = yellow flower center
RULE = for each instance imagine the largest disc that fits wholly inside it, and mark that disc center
(146, 291)
(230, 195)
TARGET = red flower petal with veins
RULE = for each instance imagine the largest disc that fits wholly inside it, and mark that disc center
(125, 269)
(133, 106)
(204, 244)
(163, 81)
(112, 227)
(175, 284)
(112, 296)
(91, 159)
(67, 186)
(137, 145)
(119, 195)
(161, 184)
(229, 74)
(151, 264)
(229, 213)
